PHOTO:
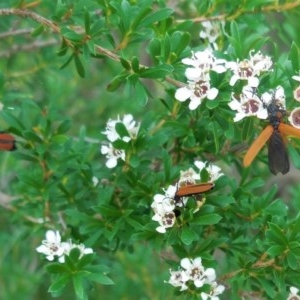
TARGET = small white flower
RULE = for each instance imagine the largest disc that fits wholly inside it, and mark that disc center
(95, 180)
(165, 220)
(242, 70)
(112, 155)
(211, 31)
(196, 272)
(294, 117)
(188, 177)
(202, 62)
(277, 95)
(248, 104)
(293, 294)
(52, 246)
(260, 62)
(178, 279)
(213, 170)
(215, 291)
(70, 246)
(131, 125)
(196, 92)
(249, 69)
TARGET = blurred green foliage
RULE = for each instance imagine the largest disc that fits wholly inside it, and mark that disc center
(110, 58)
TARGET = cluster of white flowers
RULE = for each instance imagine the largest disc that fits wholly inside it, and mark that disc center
(203, 62)
(199, 86)
(249, 69)
(251, 104)
(164, 205)
(294, 117)
(193, 271)
(293, 295)
(53, 246)
(113, 154)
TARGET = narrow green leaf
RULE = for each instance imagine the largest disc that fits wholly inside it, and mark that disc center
(63, 127)
(160, 71)
(100, 278)
(157, 16)
(79, 66)
(67, 61)
(77, 280)
(137, 22)
(116, 82)
(135, 64)
(125, 63)
(87, 21)
(166, 48)
(63, 48)
(37, 31)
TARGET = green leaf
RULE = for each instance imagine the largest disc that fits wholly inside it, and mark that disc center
(137, 22)
(79, 66)
(67, 61)
(276, 250)
(236, 39)
(100, 278)
(63, 48)
(59, 283)
(276, 235)
(63, 127)
(208, 219)
(166, 48)
(179, 41)
(135, 64)
(87, 21)
(156, 16)
(116, 82)
(125, 63)
(71, 35)
(56, 268)
(187, 235)
(37, 31)
(121, 129)
(160, 71)
(78, 285)
(292, 260)
(85, 260)
(294, 56)
(155, 49)
(141, 94)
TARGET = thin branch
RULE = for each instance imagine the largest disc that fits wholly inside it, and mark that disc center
(264, 9)
(29, 47)
(14, 33)
(29, 14)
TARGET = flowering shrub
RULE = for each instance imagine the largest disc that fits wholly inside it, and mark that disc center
(150, 136)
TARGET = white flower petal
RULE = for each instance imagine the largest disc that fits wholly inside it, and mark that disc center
(212, 93)
(253, 81)
(194, 104)
(111, 162)
(182, 94)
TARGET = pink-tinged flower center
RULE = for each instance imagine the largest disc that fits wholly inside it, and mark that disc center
(169, 219)
(251, 106)
(196, 273)
(296, 117)
(245, 71)
(200, 88)
(297, 93)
